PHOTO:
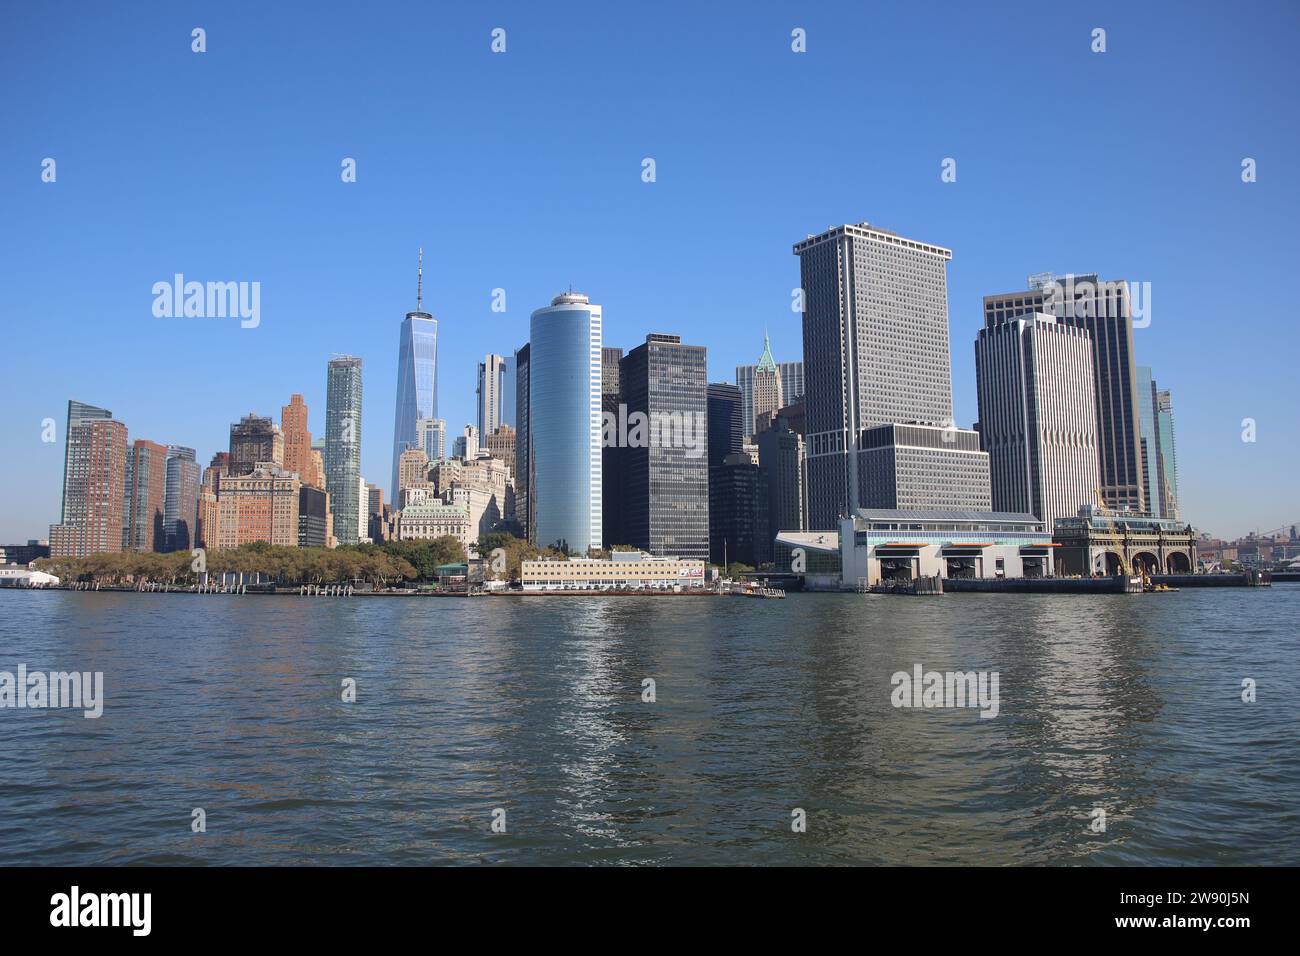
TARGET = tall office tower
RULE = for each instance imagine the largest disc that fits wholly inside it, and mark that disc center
(94, 484)
(253, 440)
(413, 471)
(767, 397)
(208, 533)
(144, 497)
(181, 511)
(1105, 310)
(523, 459)
(790, 384)
(259, 506)
(738, 503)
(363, 517)
(317, 479)
(417, 373)
(875, 350)
(509, 397)
(343, 446)
(1038, 417)
(1148, 432)
(665, 477)
(923, 467)
(431, 435)
(313, 517)
(375, 524)
(1168, 456)
(501, 445)
(564, 442)
(726, 436)
(469, 448)
(611, 479)
(726, 424)
(490, 392)
(781, 459)
(297, 439)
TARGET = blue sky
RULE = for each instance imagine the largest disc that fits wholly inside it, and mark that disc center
(522, 171)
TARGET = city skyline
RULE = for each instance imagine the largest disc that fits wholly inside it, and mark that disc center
(324, 292)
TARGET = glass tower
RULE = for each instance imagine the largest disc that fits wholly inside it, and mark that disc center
(417, 374)
(343, 445)
(564, 410)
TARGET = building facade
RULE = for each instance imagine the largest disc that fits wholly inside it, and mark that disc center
(259, 506)
(181, 503)
(1104, 309)
(343, 447)
(875, 350)
(297, 438)
(622, 570)
(417, 375)
(145, 497)
(94, 484)
(254, 439)
(523, 460)
(663, 478)
(1038, 418)
(564, 441)
(490, 392)
(923, 466)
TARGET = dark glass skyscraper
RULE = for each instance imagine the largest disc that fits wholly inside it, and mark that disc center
(181, 503)
(417, 375)
(665, 479)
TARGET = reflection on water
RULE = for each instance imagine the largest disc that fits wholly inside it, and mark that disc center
(233, 704)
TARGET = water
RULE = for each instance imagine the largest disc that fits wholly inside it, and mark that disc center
(233, 704)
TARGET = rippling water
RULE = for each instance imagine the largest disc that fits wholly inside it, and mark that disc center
(233, 704)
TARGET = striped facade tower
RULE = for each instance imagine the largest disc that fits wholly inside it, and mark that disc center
(1038, 418)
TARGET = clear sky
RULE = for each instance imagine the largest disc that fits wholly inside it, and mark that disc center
(522, 171)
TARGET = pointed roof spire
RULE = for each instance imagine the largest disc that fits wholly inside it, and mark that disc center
(766, 361)
(419, 283)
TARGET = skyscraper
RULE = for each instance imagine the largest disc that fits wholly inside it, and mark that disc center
(254, 439)
(431, 436)
(343, 446)
(144, 497)
(490, 392)
(297, 438)
(1168, 457)
(417, 373)
(664, 492)
(738, 506)
(181, 506)
(94, 484)
(1105, 310)
(523, 461)
(789, 384)
(564, 442)
(1038, 419)
(875, 350)
(611, 484)
(726, 436)
(1148, 432)
(780, 458)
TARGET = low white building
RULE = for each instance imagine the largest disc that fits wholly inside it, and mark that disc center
(622, 570)
(19, 576)
(882, 545)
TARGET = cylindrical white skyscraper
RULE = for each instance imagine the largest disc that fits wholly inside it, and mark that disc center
(565, 423)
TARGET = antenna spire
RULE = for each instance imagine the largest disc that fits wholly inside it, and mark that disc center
(419, 283)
